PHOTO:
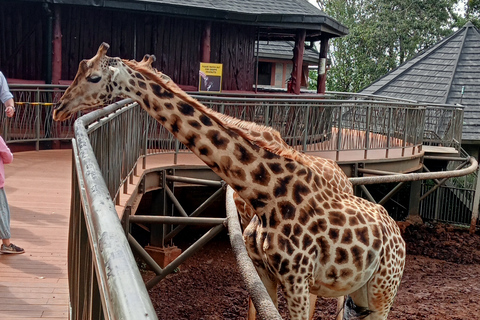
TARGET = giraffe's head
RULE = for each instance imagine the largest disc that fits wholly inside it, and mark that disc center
(91, 86)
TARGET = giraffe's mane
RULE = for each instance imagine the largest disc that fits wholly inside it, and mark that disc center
(241, 127)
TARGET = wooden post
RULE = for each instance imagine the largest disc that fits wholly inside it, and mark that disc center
(57, 48)
(296, 78)
(322, 66)
(206, 42)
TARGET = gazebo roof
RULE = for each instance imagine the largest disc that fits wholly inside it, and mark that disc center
(446, 73)
(276, 19)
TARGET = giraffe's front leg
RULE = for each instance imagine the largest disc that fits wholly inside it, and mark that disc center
(298, 300)
(313, 301)
(271, 286)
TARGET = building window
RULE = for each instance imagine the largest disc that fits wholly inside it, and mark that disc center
(264, 73)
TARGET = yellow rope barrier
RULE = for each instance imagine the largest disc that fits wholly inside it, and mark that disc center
(35, 103)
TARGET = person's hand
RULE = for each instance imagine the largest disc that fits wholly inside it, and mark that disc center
(10, 111)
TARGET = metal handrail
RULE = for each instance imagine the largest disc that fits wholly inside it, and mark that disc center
(414, 176)
(120, 285)
(257, 291)
(444, 121)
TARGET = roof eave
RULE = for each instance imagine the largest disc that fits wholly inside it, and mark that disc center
(316, 24)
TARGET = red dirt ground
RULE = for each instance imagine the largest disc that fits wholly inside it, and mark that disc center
(441, 281)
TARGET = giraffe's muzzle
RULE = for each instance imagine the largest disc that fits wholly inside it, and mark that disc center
(59, 113)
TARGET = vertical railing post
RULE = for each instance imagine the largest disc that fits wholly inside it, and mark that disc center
(177, 148)
(367, 131)
(339, 134)
(459, 115)
(145, 142)
(420, 123)
(305, 128)
(405, 134)
(389, 131)
(37, 122)
(267, 115)
(476, 202)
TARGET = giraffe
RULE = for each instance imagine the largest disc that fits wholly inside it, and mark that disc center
(310, 236)
(326, 167)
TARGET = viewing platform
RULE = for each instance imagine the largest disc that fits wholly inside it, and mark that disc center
(34, 285)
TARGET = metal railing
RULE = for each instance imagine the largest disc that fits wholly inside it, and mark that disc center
(104, 280)
(335, 121)
(32, 121)
(311, 124)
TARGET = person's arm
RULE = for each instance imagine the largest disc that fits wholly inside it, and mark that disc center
(9, 107)
(6, 96)
(5, 152)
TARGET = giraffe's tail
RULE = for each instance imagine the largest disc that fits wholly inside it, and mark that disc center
(353, 312)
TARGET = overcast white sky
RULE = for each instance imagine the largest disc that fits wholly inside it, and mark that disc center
(460, 4)
(314, 2)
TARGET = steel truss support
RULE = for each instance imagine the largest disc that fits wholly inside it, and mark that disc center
(388, 177)
(440, 177)
(167, 184)
(162, 273)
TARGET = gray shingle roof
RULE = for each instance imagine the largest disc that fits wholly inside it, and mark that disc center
(438, 74)
(284, 50)
(279, 14)
(249, 6)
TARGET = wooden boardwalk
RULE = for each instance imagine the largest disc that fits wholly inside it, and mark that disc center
(34, 285)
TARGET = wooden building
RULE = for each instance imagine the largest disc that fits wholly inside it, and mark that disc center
(275, 64)
(44, 40)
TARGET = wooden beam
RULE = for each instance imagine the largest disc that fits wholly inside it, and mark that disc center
(322, 66)
(57, 47)
(206, 42)
(298, 50)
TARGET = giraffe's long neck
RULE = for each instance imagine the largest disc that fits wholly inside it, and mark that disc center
(258, 175)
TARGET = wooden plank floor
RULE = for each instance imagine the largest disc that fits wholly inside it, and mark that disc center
(34, 285)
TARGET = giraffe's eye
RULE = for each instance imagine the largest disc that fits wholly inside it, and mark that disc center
(94, 79)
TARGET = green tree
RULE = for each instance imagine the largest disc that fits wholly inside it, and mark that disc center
(382, 35)
(471, 13)
(312, 79)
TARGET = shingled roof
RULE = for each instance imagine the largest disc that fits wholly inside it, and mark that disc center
(274, 15)
(283, 50)
(446, 73)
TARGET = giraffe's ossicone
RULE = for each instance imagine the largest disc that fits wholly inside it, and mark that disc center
(310, 235)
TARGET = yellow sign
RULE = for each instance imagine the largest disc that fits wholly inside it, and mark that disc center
(210, 77)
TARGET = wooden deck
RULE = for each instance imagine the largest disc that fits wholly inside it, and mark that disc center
(34, 285)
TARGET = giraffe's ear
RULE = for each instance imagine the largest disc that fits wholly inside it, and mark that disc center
(83, 66)
(114, 71)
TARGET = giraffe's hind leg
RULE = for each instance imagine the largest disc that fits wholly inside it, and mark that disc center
(374, 300)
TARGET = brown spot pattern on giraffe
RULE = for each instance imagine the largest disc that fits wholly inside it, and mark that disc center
(309, 215)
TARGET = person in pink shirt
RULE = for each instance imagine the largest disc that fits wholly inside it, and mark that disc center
(6, 157)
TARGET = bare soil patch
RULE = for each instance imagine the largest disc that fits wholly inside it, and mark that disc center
(441, 281)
